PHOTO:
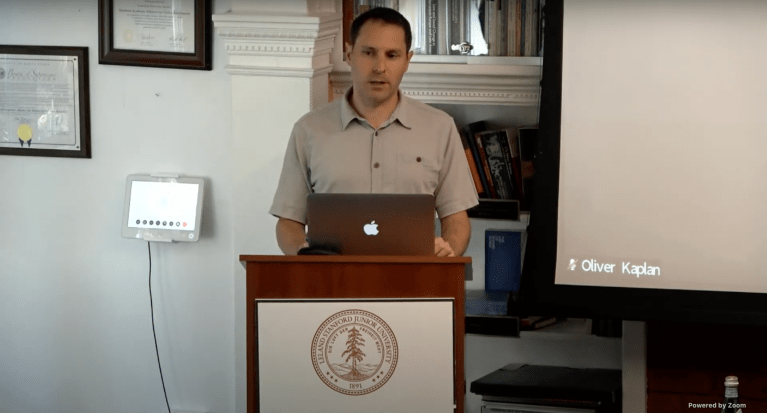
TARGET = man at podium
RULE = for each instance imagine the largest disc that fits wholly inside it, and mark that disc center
(376, 140)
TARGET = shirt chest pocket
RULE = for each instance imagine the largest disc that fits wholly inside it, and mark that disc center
(417, 174)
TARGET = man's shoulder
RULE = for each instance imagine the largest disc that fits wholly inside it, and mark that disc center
(327, 114)
(426, 113)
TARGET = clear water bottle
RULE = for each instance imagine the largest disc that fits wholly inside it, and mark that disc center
(730, 403)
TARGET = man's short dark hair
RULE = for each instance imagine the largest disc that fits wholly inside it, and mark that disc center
(384, 15)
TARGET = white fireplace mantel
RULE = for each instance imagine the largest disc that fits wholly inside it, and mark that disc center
(278, 44)
(510, 81)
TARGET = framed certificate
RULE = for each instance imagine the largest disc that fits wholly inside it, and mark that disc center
(156, 33)
(44, 101)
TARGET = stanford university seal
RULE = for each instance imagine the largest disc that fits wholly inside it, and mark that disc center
(354, 352)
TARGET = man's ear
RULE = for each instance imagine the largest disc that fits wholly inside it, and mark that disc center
(348, 51)
(409, 55)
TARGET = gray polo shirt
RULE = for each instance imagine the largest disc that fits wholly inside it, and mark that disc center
(334, 150)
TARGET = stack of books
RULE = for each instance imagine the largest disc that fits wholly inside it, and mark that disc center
(501, 160)
(511, 27)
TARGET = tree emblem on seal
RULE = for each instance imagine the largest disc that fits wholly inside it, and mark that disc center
(354, 352)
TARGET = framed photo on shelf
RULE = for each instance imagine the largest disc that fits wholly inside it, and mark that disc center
(44, 101)
(158, 33)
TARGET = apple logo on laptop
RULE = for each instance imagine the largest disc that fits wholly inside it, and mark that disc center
(371, 228)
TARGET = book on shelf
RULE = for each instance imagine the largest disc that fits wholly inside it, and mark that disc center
(443, 27)
(535, 24)
(501, 35)
(511, 28)
(500, 169)
(458, 24)
(529, 29)
(492, 190)
(472, 163)
(518, 19)
(491, 27)
(509, 138)
(528, 141)
(503, 260)
(431, 26)
(523, 27)
(541, 23)
(470, 130)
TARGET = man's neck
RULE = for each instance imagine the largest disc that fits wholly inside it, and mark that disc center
(376, 115)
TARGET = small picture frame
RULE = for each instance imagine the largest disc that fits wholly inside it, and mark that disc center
(159, 33)
(45, 103)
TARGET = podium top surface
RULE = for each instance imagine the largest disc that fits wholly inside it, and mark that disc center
(379, 259)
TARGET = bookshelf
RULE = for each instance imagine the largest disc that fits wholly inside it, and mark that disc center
(464, 27)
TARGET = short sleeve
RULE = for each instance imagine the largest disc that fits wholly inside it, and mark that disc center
(455, 191)
(290, 198)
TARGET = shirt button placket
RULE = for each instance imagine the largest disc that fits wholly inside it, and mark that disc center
(377, 173)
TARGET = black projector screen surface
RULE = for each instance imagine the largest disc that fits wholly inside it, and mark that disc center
(652, 158)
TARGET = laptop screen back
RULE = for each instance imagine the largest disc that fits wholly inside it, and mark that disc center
(372, 224)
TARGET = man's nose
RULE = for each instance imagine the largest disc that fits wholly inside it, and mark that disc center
(379, 66)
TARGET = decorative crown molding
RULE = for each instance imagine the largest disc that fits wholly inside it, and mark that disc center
(512, 85)
(259, 33)
(265, 44)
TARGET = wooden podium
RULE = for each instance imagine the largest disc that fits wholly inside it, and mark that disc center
(354, 277)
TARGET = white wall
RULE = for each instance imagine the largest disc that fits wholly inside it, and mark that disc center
(75, 327)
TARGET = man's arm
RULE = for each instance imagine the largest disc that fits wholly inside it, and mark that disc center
(456, 230)
(291, 236)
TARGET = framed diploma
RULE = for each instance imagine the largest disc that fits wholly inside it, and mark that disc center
(156, 33)
(44, 101)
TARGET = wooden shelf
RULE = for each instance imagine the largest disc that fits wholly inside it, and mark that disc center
(486, 314)
(496, 209)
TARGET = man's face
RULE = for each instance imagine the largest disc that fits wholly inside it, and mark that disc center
(378, 60)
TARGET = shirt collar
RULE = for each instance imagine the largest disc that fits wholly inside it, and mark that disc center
(400, 113)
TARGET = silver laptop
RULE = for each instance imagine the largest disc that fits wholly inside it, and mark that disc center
(371, 224)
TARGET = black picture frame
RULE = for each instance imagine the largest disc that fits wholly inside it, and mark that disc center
(79, 57)
(201, 59)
